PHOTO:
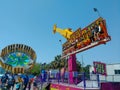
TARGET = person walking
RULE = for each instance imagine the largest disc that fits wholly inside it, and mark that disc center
(26, 80)
(20, 80)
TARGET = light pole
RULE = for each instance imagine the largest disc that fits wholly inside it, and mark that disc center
(61, 45)
(96, 10)
(82, 63)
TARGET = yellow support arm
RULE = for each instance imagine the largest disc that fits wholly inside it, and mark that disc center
(64, 32)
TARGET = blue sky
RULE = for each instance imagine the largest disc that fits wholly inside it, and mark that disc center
(31, 22)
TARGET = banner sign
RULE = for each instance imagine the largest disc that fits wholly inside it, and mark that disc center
(100, 68)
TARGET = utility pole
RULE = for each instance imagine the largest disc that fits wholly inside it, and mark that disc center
(61, 44)
(82, 63)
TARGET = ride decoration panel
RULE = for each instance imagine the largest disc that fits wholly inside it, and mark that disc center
(88, 37)
(17, 58)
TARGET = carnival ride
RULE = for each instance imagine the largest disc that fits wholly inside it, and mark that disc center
(80, 40)
(17, 58)
(83, 39)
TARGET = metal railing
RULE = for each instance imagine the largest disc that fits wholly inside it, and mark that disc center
(80, 80)
(110, 78)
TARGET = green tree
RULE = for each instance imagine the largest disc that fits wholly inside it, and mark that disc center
(35, 70)
(78, 66)
(86, 70)
(58, 63)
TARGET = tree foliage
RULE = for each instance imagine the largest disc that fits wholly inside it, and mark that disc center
(57, 63)
(35, 70)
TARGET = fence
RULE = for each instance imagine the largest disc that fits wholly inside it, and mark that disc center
(80, 80)
(110, 78)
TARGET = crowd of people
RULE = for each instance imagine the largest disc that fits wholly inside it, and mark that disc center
(10, 81)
